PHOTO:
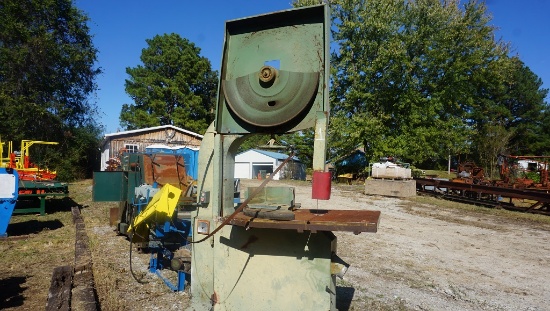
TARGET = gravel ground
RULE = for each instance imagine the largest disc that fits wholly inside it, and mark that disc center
(428, 258)
(423, 257)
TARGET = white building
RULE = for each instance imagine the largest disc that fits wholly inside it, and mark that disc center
(531, 165)
(254, 162)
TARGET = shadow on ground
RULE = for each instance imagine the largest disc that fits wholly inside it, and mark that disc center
(53, 205)
(33, 227)
(344, 296)
(11, 291)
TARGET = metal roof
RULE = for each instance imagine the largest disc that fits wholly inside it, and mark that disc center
(153, 129)
(275, 155)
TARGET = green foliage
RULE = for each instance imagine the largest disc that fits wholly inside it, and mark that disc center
(82, 156)
(401, 75)
(522, 101)
(302, 143)
(490, 142)
(534, 176)
(424, 79)
(510, 116)
(416, 173)
(541, 145)
(301, 3)
(174, 86)
(47, 74)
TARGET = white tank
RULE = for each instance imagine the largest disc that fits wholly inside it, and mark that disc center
(390, 170)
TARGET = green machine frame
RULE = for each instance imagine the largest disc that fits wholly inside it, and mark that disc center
(274, 80)
(39, 190)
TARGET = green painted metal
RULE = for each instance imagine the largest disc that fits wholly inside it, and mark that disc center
(42, 206)
(135, 179)
(109, 186)
(39, 189)
(272, 104)
(258, 97)
(48, 186)
(272, 197)
(274, 79)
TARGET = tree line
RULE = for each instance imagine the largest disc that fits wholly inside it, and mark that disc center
(421, 80)
(47, 77)
(426, 79)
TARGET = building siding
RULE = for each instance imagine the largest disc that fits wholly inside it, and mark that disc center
(114, 144)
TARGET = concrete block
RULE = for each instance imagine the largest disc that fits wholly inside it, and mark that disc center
(391, 187)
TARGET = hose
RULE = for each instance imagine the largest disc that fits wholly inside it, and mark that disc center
(141, 281)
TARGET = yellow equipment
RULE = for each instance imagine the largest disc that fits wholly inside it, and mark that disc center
(21, 162)
(4, 162)
(160, 208)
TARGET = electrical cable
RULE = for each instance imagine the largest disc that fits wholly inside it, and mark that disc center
(131, 242)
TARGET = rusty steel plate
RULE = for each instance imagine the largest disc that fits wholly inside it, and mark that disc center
(164, 169)
(314, 220)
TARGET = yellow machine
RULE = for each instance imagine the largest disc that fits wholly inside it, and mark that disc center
(161, 207)
(5, 161)
(22, 163)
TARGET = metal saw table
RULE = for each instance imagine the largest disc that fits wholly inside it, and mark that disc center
(315, 220)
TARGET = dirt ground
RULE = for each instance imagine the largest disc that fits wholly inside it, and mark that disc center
(428, 254)
(425, 257)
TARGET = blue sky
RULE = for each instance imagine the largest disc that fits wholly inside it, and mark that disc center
(121, 27)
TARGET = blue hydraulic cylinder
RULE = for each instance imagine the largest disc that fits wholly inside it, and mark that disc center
(9, 189)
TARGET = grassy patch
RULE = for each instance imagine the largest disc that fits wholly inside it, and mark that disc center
(440, 174)
(36, 245)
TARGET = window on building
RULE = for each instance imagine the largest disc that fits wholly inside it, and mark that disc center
(131, 148)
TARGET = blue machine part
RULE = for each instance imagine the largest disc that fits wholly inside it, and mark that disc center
(165, 239)
(145, 192)
(191, 160)
(9, 189)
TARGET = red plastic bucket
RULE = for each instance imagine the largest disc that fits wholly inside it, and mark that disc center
(321, 185)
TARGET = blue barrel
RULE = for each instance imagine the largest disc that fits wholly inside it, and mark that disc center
(158, 149)
(191, 159)
(9, 189)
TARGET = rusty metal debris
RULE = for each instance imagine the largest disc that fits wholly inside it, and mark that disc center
(523, 178)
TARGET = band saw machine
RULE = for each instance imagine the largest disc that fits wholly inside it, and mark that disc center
(274, 80)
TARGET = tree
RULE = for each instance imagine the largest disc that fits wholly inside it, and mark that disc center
(402, 75)
(47, 74)
(542, 145)
(512, 107)
(491, 142)
(302, 143)
(426, 79)
(522, 97)
(174, 86)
